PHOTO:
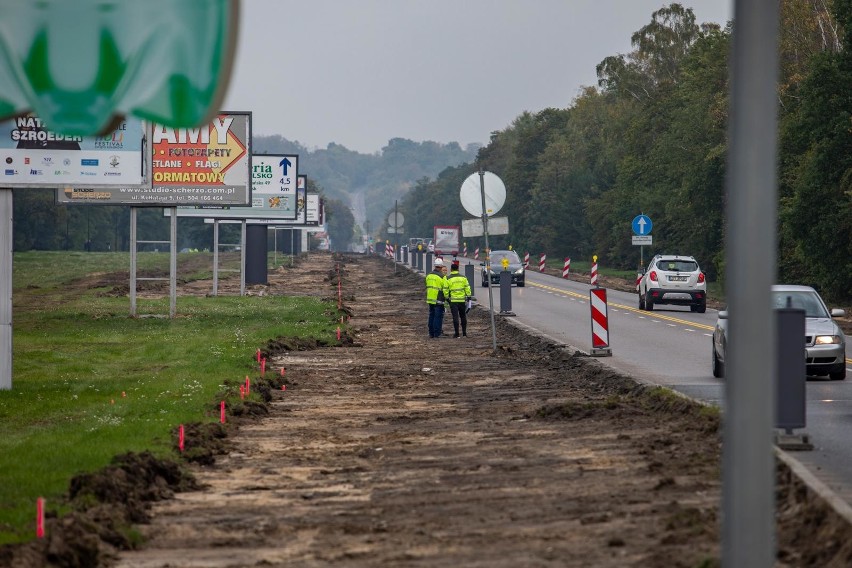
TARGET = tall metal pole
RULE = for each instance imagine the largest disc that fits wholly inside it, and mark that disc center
(243, 258)
(487, 260)
(215, 257)
(134, 257)
(395, 231)
(748, 472)
(5, 289)
(173, 265)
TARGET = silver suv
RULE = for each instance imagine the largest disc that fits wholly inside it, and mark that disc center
(673, 279)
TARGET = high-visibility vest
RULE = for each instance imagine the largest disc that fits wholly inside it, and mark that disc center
(436, 288)
(459, 287)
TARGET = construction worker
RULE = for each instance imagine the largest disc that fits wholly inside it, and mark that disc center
(459, 292)
(436, 293)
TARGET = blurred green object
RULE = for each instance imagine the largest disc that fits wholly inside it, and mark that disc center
(82, 65)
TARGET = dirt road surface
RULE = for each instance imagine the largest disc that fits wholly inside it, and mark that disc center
(400, 450)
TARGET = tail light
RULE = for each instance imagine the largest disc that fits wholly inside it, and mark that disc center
(653, 276)
(701, 278)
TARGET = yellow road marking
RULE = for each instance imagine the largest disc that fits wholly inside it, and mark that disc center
(654, 315)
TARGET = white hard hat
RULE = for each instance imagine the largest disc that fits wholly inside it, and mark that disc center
(439, 262)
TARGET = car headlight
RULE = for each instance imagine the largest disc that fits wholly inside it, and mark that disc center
(827, 340)
(519, 271)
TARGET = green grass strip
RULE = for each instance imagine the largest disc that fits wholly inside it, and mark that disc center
(76, 351)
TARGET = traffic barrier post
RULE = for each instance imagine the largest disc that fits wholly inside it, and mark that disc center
(476, 253)
(526, 260)
(594, 276)
(541, 262)
(600, 323)
(566, 268)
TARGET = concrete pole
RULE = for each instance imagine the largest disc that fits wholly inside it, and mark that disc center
(748, 463)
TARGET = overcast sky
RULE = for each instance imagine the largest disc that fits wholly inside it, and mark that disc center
(360, 72)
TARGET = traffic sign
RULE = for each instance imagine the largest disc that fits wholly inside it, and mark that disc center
(395, 219)
(642, 225)
(472, 190)
(643, 240)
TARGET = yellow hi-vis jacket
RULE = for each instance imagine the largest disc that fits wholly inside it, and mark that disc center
(436, 288)
(459, 287)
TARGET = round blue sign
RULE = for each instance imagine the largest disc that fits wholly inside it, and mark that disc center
(642, 225)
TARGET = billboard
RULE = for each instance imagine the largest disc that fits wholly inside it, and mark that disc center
(311, 215)
(33, 156)
(207, 165)
(210, 165)
(262, 215)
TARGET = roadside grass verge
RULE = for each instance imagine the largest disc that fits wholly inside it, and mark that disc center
(90, 383)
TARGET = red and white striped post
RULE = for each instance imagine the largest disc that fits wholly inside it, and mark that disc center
(464, 250)
(566, 269)
(600, 323)
(526, 260)
(371, 249)
(541, 262)
(594, 278)
(476, 253)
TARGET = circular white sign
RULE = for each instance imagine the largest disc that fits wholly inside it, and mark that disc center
(395, 220)
(471, 194)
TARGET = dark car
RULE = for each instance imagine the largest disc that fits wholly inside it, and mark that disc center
(516, 268)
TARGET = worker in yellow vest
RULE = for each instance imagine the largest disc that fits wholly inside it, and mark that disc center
(436, 294)
(459, 292)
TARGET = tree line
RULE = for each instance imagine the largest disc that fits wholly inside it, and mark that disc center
(651, 137)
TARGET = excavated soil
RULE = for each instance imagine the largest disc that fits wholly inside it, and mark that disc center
(393, 449)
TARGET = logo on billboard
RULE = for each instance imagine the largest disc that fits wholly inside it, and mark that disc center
(89, 162)
(114, 161)
(36, 172)
(9, 159)
(10, 172)
(47, 160)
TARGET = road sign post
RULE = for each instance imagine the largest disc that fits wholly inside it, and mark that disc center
(487, 201)
(642, 226)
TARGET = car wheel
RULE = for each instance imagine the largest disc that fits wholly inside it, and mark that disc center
(700, 308)
(521, 284)
(641, 302)
(649, 303)
(839, 375)
(718, 366)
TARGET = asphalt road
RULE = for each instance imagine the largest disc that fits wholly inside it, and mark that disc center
(671, 346)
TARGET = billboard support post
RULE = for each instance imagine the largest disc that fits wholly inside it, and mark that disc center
(5, 289)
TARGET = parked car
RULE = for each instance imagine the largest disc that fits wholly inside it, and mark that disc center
(673, 279)
(825, 344)
(492, 274)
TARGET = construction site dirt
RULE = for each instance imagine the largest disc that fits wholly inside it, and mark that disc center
(394, 449)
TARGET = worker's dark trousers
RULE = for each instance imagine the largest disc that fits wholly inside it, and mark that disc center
(459, 313)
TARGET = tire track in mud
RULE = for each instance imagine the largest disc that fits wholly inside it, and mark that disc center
(406, 451)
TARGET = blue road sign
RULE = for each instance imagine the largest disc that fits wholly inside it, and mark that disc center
(642, 225)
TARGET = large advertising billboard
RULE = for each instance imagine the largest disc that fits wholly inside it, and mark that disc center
(33, 156)
(274, 192)
(210, 165)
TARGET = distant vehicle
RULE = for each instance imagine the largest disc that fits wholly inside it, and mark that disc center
(825, 344)
(673, 279)
(414, 241)
(516, 267)
(447, 240)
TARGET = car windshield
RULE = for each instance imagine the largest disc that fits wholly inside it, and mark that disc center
(677, 265)
(801, 300)
(498, 256)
